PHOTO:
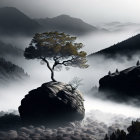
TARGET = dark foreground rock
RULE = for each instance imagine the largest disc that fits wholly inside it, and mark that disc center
(122, 85)
(133, 133)
(91, 128)
(10, 121)
(53, 102)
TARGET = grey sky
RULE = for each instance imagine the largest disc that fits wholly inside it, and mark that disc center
(91, 11)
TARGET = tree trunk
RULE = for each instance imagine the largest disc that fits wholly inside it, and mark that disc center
(52, 76)
(52, 72)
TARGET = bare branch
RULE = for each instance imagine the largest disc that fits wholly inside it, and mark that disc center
(75, 83)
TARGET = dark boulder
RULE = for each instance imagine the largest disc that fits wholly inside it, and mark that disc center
(121, 85)
(52, 102)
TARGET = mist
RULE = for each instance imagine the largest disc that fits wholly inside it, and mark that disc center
(97, 41)
(39, 74)
(12, 96)
(19, 41)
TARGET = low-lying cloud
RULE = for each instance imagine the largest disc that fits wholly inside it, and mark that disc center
(90, 128)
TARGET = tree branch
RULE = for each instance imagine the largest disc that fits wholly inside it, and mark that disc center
(65, 62)
(48, 65)
(56, 59)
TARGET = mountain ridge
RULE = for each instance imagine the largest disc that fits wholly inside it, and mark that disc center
(15, 22)
(127, 48)
(10, 72)
(67, 24)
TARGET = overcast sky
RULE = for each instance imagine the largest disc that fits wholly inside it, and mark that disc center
(91, 11)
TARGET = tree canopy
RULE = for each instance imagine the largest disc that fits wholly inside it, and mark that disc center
(59, 47)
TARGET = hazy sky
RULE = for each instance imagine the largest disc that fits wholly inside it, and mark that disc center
(92, 11)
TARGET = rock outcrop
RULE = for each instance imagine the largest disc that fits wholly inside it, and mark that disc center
(51, 103)
(122, 85)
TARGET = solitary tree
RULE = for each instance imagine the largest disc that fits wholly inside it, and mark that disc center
(59, 47)
(117, 71)
(138, 63)
(106, 137)
(109, 73)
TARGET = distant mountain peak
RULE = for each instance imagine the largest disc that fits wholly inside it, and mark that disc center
(67, 17)
(10, 10)
(63, 16)
(68, 24)
(14, 22)
(113, 23)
